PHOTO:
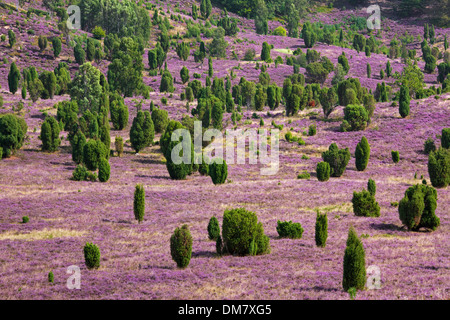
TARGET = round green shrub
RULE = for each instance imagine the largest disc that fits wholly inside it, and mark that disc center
(418, 206)
(323, 171)
(218, 171)
(289, 229)
(364, 204)
(337, 159)
(160, 119)
(12, 134)
(50, 135)
(439, 168)
(321, 229)
(181, 246)
(78, 142)
(354, 275)
(93, 151)
(213, 229)
(92, 256)
(80, 173)
(240, 228)
(25, 219)
(51, 277)
(104, 170)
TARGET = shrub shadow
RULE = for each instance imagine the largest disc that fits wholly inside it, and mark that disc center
(386, 227)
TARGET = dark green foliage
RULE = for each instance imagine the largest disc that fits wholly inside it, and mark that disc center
(362, 154)
(48, 80)
(444, 70)
(93, 151)
(265, 52)
(184, 75)
(51, 277)
(183, 50)
(429, 146)
(139, 203)
(218, 45)
(359, 42)
(328, 100)
(142, 131)
(261, 15)
(304, 175)
(323, 171)
(50, 135)
(445, 138)
(321, 228)
(288, 229)
(218, 171)
(273, 96)
(25, 219)
(166, 84)
(205, 8)
(229, 25)
(78, 142)
(312, 129)
(13, 78)
(119, 113)
(242, 232)
(80, 173)
(395, 156)
(56, 44)
(354, 275)
(91, 256)
(355, 118)
(12, 134)
(98, 33)
(439, 168)
(369, 71)
(404, 101)
(181, 246)
(213, 229)
(343, 61)
(90, 49)
(316, 73)
(364, 204)
(204, 166)
(418, 206)
(337, 159)
(11, 38)
(104, 170)
(80, 54)
(371, 187)
(388, 69)
(219, 246)
(160, 120)
(42, 43)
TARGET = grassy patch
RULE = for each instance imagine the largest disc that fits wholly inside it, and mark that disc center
(41, 234)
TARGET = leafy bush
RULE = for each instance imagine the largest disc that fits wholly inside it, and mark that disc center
(12, 134)
(242, 234)
(312, 130)
(439, 167)
(354, 275)
(91, 256)
(304, 175)
(364, 204)
(139, 203)
(356, 116)
(395, 156)
(288, 229)
(279, 31)
(181, 246)
(445, 138)
(371, 187)
(160, 120)
(429, 146)
(80, 173)
(98, 33)
(218, 171)
(104, 170)
(337, 159)
(119, 145)
(213, 229)
(417, 208)
(93, 151)
(50, 135)
(362, 154)
(119, 114)
(321, 229)
(142, 131)
(25, 219)
(323, 171)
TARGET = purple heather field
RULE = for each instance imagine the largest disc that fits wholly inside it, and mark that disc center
(136, 261)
